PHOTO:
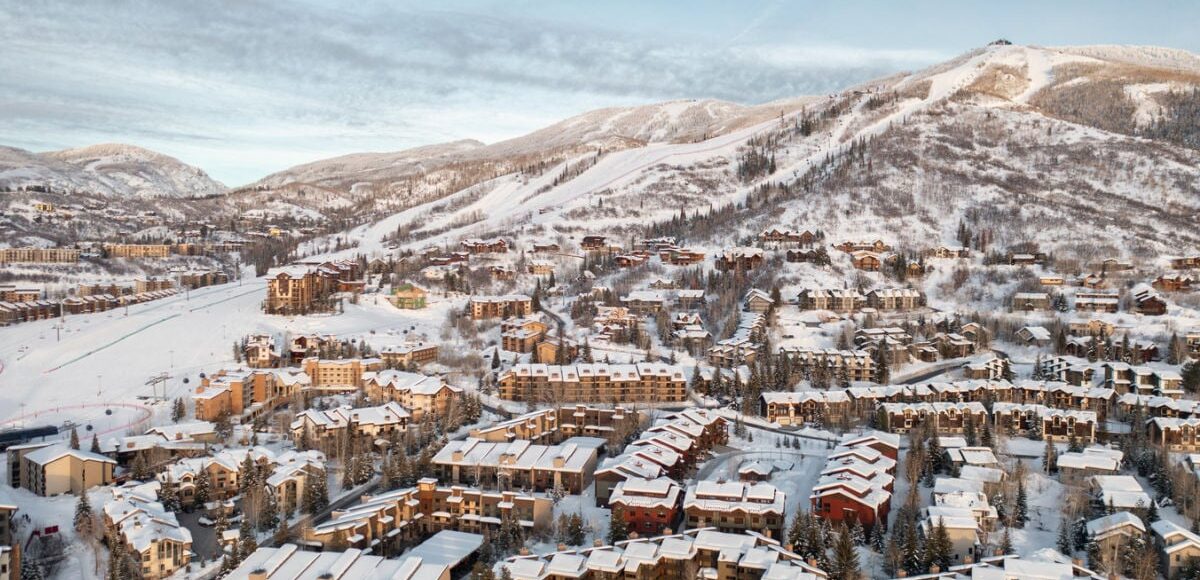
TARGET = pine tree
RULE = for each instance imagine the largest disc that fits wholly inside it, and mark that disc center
(618, 530)
(1006, 545)
(969, 430)
(95, 443)
(857, 534)
(1095, 558)
(1064, 538)
(1050, 458)
(844, 565)
(938, 548)
(247, 542)
(74, 438)
(168, 496)
(140, 468)
(178, 411)
(1021, 511)
(31, 570)
(85, 520)
(203, 488)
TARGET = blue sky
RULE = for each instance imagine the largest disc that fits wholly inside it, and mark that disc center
(244, 88)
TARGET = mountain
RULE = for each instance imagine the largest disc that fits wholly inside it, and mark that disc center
(1056, 147)
(114, 170)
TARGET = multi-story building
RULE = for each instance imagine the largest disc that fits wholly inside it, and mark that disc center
(137, 250)
(418, 393)
(594, 383)
(313, 428)
(649, 507)
(346, 373)
(520, 464)
(55, 468)
(39, 255)
(399, 356)
(151, 533)
(837, 300)
(500, 306)
(943, 417)
(393, 519)
(735, 506)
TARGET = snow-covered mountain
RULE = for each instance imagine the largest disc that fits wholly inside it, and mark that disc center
(111, 169)
(1055, 146)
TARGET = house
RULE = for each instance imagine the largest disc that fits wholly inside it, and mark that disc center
(950, 252)
(54, 468)
(540, 267)
(1030, 301)
(649, 507)
(1121, 492)
(740, 258)
(1185, 263)
(408, 297)
(1178, 547)
(289, 562)
(1149, 303)
(594, 243)
(1097, 301)
(1114, 533)
(1176, 434)
(1077, 468)
(735, 507)
(758, 301)
(961, 528)
(1173, 283)
(1026, 259)
(867, 260)
(851, 246)
(644, 301)
(804, 407)
(1034, 336)
(788, 237)
(994, 368)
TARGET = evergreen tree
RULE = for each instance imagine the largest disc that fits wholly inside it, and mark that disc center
(31, 570)
(140, 468)
(178, 411)
(844, 565)
(85, 519)
(74, 438)
(168, 496)
(247, 542)
(203, 488)
(1006, 545)
(1050, 458)
(1021, 511)
(95, 443)
(1064, 538)
(969, 431)
(618, 530)
(481, 571)
(1094, 556)
(938, 548)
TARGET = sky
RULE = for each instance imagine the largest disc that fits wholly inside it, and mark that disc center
(242, 88)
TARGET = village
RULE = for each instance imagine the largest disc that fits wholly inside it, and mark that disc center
(788, 408)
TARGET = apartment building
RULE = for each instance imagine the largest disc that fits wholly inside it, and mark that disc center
(650, 507)
(54, 468)
(399, 356)
(483, 307)
(160, 544)
(594, 383)
(39, 255)
(419, 394)
(137, 250)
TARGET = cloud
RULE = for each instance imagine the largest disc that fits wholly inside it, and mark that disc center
(296, 82)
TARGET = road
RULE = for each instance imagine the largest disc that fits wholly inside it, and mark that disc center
(720, 460)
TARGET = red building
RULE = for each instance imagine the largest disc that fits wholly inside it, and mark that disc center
(650, 506)
(846, 498)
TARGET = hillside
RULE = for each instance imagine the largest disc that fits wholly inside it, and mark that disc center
(112, 170)
(1011, 139)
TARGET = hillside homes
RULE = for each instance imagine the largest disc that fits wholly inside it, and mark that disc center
(160, 544)
(419, 394)
(483, 307)
(324, 429)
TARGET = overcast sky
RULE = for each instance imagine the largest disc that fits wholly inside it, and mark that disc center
(243, 88)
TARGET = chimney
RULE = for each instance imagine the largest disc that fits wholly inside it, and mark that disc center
(935, 569)
(667, 532)
(597, 542)
(902, 574)
(562, 547)
(524, 551)
(1078, 563)
(258, 574)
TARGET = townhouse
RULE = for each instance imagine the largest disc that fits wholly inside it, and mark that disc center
(1051, 423)
(857, 480)
(520, 464)
(408, 296)
(1077, 467)
(715, 554)
(837, 300)
(895, 299)
(1178, 547)
(857, 365)
(1097, 301)
(387, 521)
(650, 507)
(735, 506)
(943, 417)
(288, 472)
(740, 258)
